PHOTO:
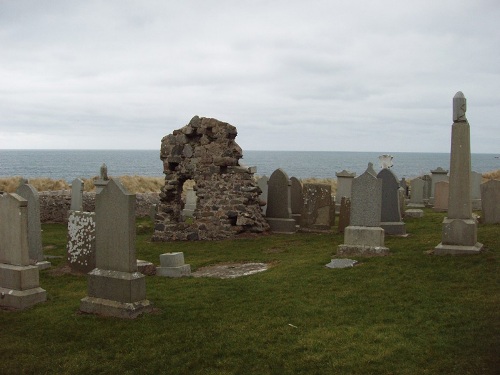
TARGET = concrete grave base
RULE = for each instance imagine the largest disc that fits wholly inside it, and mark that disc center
(459, 237)
(443, 249)
(20, 287)
(105, 307)
(117, 286)
(394, 228)
(172, 265)
(361, 240)
(43, 265)
(414, 213)
(279, 225)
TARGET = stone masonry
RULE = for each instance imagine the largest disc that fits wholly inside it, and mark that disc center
(227, 195)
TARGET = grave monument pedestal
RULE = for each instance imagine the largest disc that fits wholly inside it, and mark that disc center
(359, 240)
(20, 286)
(172, 265)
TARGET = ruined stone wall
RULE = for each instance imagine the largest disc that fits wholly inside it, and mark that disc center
(227, 194)
(54, 205)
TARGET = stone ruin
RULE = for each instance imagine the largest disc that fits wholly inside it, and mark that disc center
(227, 195)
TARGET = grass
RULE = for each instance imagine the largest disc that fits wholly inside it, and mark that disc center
(408, 313)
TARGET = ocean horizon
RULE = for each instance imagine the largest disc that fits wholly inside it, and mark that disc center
(70, 164)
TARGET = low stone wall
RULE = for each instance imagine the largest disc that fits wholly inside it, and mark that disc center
(54, 205)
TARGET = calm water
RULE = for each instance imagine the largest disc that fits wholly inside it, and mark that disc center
(69, 164)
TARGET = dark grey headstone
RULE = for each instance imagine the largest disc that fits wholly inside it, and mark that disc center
(29, 193)
(345, 214)
(278, 196)
(297, 199)
(390, 196)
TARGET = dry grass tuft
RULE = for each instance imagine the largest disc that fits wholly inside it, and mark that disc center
(11, 184)
(492, 175)
(140, 184)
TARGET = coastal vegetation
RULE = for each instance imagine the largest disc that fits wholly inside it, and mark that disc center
(406, 313)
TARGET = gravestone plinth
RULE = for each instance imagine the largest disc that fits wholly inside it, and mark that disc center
(414, 212)
(317, 213)
(279, 212)
(172, 265)
(19, 281)
(363, 241)
(459, 232)
(115, 287)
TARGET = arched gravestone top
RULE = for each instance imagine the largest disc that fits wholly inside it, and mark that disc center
(366, 200)
(278, 195)
(390, 196)
(115, 228)
(29, 193)
(14, 230)
(297, 196)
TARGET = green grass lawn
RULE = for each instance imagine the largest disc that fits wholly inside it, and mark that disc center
(407, 313)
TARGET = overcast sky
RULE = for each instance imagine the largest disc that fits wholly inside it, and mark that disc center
(290, 75)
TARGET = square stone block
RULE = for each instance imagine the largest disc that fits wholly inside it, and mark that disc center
(22, 299)
(394, 228)
(364, 236)
(462, 232)
(117, 286)
(18, 277)
(92, 305)
(172, 259)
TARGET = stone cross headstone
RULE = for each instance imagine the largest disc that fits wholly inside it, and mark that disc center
(77, 195)
(459, 232)
(262, 184)
(490, 200)
(344, 214)
(475, 187)
(19, 281)
(317, 209)
(417, 186)
(391, 209)
(364, 236)
(279, 211)
(296, 199)
(115, 287)
(441, 196)
(29, 193)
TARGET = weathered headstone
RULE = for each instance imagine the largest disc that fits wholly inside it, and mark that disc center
(344, 186)
(262, 184)
(81, 247)
(77, 195)
(29, 193)
(317, 209)
(459, 234)
(296, 199)
(417, 193)
(438, 174)
(344, 214)
(390, 210)
(364, 236)
(190, 205)
(115, 287)
(441, 196)
(475, 187)
(279, 211)
(19, 281)
(172, 265)
(490, 199)
(427, 188)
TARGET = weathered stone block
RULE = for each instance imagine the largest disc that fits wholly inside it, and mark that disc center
(118, 286)
(19, 277)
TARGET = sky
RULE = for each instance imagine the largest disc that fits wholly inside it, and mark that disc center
(290, 75)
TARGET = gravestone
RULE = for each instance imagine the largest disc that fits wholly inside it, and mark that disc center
(262, 184)
(344, 186)
(296, 199)
(19, 281)
(417, 193)
(172, 265)
(438, 174)
(317, 208)
(490, 199)
(115, 287)
(441, 195)
(344, 214)
(29, 193)
(81, 247)
(390, 214)
(279, 211)
(190, 205)
(77, 195)
(475, 187)
(364, 236)
(427, 188)
(459, 234)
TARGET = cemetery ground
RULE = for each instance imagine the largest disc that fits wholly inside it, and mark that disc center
(406, 313)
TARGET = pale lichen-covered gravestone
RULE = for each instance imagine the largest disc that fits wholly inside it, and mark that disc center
(390, 215)
(29, 193)
(490, 199)
(317, 212)
(459, 235)
(441, 196)
(19, 281)
(438, 174)
(296, 199)
(279, 211)
(364, 236)
(115, 287)
(475, 188)
(417, 186)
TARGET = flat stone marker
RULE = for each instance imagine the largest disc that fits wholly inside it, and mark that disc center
(341, 263)
(417, 186)
(81, 246)
(29, 193)
(172, 265)
(19, 281)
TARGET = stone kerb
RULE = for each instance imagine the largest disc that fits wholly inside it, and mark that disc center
(29, 193)
(19, 281)
(279, 211)
(490, 200)
(115, 288)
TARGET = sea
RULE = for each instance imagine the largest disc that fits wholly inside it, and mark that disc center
(70, 164)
